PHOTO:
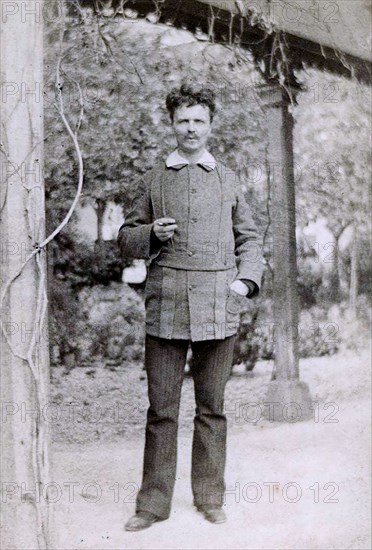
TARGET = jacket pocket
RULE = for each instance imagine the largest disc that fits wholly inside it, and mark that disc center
(235, 302)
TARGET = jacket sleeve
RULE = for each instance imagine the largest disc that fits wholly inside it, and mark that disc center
(136, 238)
(248, 244)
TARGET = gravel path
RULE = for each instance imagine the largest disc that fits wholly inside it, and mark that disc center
(99, 404)
(302, 485)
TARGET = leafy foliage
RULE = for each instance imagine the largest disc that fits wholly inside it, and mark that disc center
(125, 73)
(333, 152)
(82, 265)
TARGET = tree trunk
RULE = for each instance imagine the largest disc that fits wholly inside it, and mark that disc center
(25, 361)
(354, 260)
(335, 287)
(100, 209)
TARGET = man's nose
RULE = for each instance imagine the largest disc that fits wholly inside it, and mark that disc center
(191, 127)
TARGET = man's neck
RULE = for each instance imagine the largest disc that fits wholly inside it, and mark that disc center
(191, 157)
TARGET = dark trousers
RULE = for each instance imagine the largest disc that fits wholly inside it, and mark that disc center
(165, 362)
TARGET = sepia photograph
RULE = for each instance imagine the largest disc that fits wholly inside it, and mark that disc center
(186, 276)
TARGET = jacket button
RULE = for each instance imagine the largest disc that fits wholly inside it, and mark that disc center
(190, 253)
(193, 191)
(193, 220)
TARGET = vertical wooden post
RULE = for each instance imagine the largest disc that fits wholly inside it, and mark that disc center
(287, 397)
(24, 337)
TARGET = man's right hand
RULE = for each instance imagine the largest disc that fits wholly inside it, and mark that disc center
(164, 228)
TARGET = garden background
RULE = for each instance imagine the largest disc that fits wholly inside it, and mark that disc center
(121, 69)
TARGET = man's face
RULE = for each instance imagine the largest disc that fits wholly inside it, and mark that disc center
(192, 127)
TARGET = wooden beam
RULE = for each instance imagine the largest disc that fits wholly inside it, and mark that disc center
(299, 51)
(285, 389)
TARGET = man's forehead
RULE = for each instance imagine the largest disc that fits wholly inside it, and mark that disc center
(192, 111)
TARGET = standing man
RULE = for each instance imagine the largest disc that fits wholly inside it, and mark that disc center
(191, 223)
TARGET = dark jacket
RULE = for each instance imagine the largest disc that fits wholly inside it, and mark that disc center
(216, 242)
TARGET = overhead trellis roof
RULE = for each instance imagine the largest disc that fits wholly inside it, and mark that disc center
(283, 35)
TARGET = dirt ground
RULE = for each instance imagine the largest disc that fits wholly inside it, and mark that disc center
(292, 485)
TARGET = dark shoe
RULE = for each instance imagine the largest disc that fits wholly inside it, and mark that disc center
(142, 520)
(214, 515)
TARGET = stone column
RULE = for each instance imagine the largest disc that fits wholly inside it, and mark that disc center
(287, 398)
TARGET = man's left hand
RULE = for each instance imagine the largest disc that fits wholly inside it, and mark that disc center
(240, 288)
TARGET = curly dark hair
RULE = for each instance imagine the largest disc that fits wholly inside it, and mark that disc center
(191, 95)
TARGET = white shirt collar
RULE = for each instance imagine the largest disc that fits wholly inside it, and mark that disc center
(177, 161)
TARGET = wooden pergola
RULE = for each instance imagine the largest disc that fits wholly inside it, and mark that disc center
(279, 49)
